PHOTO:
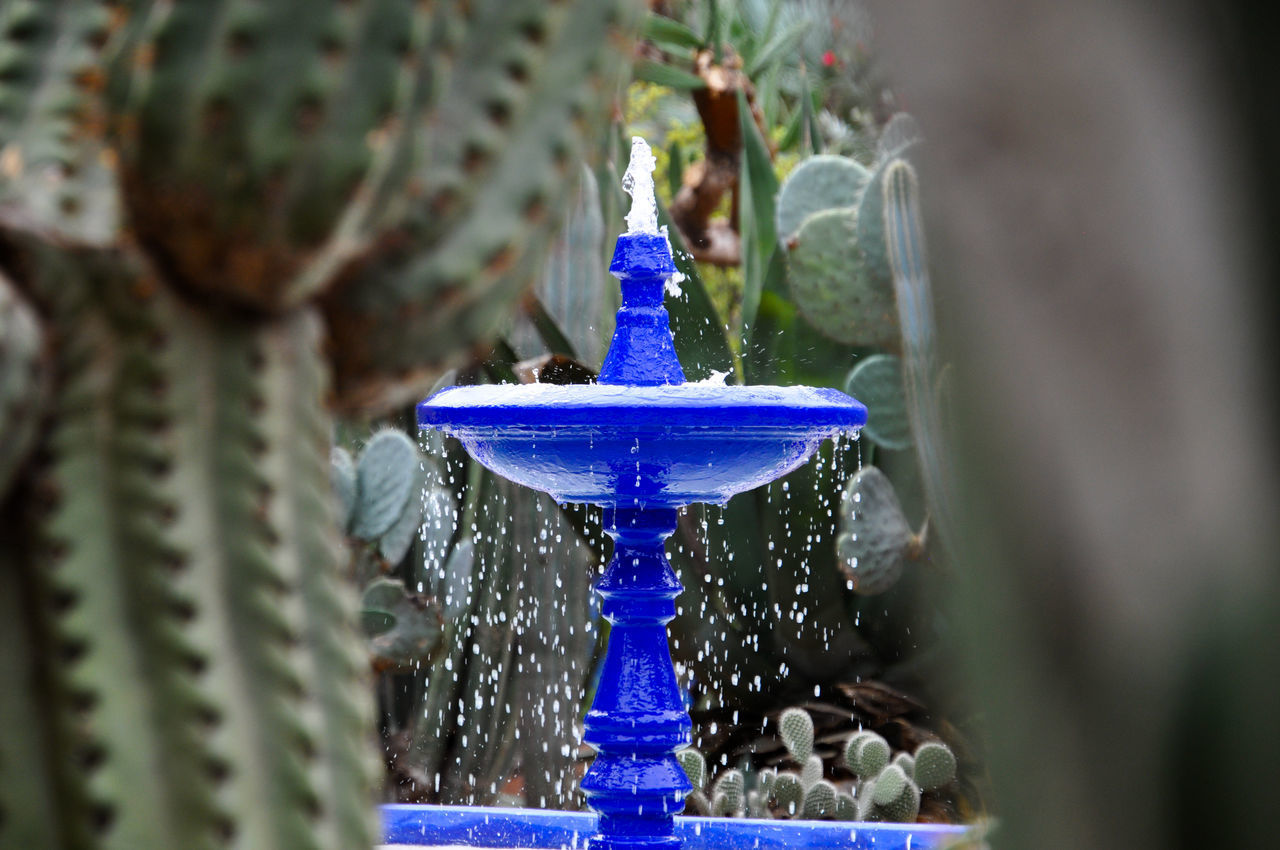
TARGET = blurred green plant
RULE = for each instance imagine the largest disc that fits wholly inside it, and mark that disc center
(219, 221)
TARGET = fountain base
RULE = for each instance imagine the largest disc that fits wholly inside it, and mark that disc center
(638, 720)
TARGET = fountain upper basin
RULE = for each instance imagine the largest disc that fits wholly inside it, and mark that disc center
(650, 446)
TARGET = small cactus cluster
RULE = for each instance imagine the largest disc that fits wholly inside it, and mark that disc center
(889, 789)
(830, 218)
(886, 786)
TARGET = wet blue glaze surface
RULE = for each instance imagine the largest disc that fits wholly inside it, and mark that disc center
(532, 828)
(641, 442)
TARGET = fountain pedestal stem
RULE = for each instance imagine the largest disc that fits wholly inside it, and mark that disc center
(638, 720)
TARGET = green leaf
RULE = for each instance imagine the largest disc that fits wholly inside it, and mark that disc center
(385, 474)
(668, 33)
(699, 332)
(757, 188)
(675, 167)
(780, 45)
(657, 73)
(549, 331)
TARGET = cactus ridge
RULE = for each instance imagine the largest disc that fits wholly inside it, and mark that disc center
(515, 160)
(235, 681)
(23, 385)
(54, 174)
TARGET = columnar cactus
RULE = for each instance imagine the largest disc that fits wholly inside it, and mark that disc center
(218, 221)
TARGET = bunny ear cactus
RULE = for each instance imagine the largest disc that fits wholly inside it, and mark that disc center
(223, 219)
(796, 728)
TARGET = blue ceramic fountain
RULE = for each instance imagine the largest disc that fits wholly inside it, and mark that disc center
(641, 442)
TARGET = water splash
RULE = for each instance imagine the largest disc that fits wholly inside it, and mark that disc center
(638, 183)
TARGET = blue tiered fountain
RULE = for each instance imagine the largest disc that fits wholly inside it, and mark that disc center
(641, 442)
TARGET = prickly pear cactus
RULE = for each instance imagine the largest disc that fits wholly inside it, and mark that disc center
(219, 220)
(830, 219)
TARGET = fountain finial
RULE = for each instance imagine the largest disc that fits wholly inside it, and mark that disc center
(642, 352)
(638, 183)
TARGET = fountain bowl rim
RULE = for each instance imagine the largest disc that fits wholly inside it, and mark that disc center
(701, 407)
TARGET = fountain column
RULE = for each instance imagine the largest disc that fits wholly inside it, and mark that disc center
(638, 720)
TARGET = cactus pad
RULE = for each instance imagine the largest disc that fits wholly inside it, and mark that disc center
(836, 288)
(811, 772)
(728, 795)
(818, 183)
(935, 765)
(866, 754)
(876, 381)
(875, 541)
(796, 728)
(394, 543)
(695, 766)
(846, 808)
(907, 763)
(820, 800)
(789, 793)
